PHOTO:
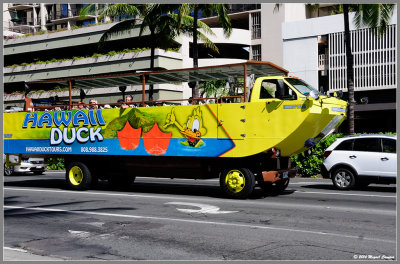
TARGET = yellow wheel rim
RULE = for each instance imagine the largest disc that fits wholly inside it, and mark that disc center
(75, 175)
(235, 181)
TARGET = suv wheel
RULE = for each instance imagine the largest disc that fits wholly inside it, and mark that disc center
(343, 179)
(8, 170)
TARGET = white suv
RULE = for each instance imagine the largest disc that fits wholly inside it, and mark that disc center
(360, 160)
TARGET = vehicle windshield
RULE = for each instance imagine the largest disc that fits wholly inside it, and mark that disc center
(301, 86)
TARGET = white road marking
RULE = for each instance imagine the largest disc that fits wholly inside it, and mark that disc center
(299, 183)
(16, 249)
(265, 203)
(348, 194)
(204, 208)
(96, 224)
(177, 198)
(79, 233)
(202, 222)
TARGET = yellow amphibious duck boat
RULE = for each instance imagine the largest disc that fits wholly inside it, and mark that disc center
(242, 138)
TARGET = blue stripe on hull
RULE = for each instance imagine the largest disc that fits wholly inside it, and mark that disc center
(212, 147)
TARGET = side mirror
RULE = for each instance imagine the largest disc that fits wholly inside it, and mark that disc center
(338, 94)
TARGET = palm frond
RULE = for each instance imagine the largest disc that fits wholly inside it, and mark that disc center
(224, 19)
(312, 7)
(89, 9)
(118, 10)
(207, 42)
(203, 26)
(187, 25)
(277, 7)
(117, 30)
(376, 16)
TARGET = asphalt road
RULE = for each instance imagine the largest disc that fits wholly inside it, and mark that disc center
(164, 219)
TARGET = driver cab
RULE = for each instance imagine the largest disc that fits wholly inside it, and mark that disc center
(272, 88)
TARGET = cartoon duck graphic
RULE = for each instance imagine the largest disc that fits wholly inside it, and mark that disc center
(194, 129)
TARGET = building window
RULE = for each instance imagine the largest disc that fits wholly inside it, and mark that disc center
(256, 25)
(374, 59)
(256, 52)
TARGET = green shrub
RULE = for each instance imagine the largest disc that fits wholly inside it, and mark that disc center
(77, 57)
(55, 163)
(111, 53)
(310, 165)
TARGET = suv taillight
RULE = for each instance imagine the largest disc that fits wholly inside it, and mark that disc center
(327, 153)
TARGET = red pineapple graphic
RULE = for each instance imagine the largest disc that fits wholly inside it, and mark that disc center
(129, 137)
(155, 141)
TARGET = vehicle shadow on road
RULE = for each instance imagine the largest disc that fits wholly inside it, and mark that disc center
(197, 189)
(384, 188)
(38, 183)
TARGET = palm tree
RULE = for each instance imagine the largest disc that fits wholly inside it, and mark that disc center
(376, 16)
(156, 18)
(213, 88)
(221, 11)
(164, 21)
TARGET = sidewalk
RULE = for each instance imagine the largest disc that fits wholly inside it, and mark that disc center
(23, 255)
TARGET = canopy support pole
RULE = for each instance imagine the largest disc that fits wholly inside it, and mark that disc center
(244, 82)
(143, 89)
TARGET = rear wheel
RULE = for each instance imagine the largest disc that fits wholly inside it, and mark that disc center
(8, 170)
(38, 172)
(78, 176)
(343, 179)
(237, 183)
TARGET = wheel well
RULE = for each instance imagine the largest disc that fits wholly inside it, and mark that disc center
(345, 166)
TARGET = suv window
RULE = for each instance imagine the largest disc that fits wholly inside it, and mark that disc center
(367, 144)
(389, 145)
(345, 145)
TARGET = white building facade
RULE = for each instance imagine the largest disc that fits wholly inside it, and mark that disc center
(374, 56)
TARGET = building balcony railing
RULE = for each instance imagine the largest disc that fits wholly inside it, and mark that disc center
(23, 29)
(323, 62)
(21, 22)
(70, 13)
(256, 32)
(22, 6)
(237, 8)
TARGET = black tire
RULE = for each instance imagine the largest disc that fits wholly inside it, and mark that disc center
(78, 176)
(274, 188)
(343, 179)
(37, 172)
(8, 170)
(237, 183)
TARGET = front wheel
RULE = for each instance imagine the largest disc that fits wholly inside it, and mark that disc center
(78, 176)
(8, 170)
(237, 183)
(343, 179)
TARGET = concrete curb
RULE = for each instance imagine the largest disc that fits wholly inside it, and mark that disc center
(14, 254)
